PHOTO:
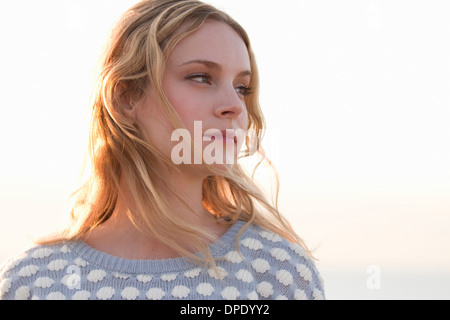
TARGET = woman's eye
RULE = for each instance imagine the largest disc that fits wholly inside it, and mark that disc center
(243, 90)
(200, 78)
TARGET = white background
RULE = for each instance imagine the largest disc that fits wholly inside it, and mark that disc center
(356, 96)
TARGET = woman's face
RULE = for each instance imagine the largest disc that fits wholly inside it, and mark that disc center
(206, 80)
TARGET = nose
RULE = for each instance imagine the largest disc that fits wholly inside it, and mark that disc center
(230, 105)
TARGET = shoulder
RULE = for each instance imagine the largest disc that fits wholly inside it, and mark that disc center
(31, 268)
(285, 267)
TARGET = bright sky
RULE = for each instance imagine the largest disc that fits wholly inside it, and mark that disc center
(356, 96)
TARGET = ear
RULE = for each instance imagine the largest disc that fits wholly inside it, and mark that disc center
(125, 100)
(129, 108)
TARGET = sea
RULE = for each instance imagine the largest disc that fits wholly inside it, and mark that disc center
(386, 285)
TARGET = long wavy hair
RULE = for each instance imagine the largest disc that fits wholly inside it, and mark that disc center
(134, 60)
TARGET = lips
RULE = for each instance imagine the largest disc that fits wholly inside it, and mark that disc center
(226, 137)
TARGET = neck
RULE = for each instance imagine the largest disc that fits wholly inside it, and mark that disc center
(118, 235)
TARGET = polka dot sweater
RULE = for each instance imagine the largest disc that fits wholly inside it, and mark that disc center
(269, 268)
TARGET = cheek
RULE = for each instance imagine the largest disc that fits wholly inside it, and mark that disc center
(243, 120)
(189, 108)
(182, 100)
(156, 127)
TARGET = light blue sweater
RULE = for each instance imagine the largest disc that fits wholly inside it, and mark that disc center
(270, 268)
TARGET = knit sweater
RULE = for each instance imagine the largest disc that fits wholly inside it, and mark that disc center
(269, 267)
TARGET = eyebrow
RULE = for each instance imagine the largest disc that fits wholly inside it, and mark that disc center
(214, 65)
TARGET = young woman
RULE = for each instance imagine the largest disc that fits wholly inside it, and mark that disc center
(168, 211)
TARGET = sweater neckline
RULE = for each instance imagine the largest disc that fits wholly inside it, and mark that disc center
(119, 264)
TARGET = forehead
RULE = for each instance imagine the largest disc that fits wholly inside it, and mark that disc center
(214, 41)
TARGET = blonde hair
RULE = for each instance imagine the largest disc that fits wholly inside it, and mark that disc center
(134, 59)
